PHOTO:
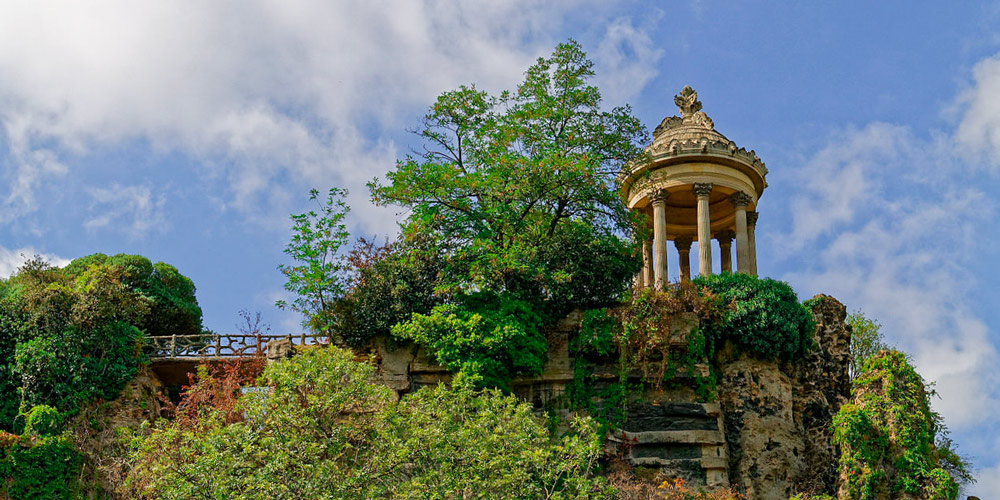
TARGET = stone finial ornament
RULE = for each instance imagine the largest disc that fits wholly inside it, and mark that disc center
(687, 101)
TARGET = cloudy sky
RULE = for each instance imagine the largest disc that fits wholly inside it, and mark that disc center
(188, 131)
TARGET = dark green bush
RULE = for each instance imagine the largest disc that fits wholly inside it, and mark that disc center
(46, 469)
(390, 283)
(72, 367)
(764, 315)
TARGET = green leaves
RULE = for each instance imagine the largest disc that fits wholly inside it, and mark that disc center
(765, 315)
(318, 275)
(484, 339)
(319, 427)
(507, 184)
(887, 436)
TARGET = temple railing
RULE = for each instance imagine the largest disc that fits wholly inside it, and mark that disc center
(218, 345)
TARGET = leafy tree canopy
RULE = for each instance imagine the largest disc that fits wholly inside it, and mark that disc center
(505, 180)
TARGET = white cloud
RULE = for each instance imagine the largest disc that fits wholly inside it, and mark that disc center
(11, 260)
(305, 92)
(890, 225)
(979, 129)
(135, 210)
(627, 60)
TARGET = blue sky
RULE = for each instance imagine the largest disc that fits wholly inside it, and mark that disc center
(189, 132)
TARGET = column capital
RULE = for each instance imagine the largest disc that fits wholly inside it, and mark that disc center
(702, 189)
(726, 236)
(751, 218)
(659, 196)
(683, 243)
(740, 199)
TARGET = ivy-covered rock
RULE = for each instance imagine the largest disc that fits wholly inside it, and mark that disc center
(887, 436)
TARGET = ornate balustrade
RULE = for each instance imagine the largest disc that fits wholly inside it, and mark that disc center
(219, 346)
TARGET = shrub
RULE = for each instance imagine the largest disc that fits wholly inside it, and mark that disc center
(389, 284)
(47, 469)
(43, 421)
(324, 429)
(765, 316)
(485, 339)
(72, 367)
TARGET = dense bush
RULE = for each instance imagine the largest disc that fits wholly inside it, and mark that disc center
(484, 339)
(323, 429)
(43, 468)
(72, 367)
(887, 437)
(764, 317)
(388, 284)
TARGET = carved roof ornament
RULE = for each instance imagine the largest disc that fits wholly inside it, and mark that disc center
(691, 114)
(687, 101)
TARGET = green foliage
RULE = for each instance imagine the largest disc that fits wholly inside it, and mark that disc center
(389, 284)
(520, 190)
(43, 420)
(484, 339)
(74, 366)
(40, 469)
(765, 316)
(324, 430)
(154, 298)
(866, 340)
(318, 275)
(69, 335)
(887, 435)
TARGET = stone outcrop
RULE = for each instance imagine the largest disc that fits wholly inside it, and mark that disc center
(777, 415)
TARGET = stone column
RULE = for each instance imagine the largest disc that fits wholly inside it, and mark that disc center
(740, 201)
(683, 246)
(701, 191)
(751, 225)
(647, 263)
(725, 239)
(659, 199)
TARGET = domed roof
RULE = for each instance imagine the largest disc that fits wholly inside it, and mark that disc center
(692, 126)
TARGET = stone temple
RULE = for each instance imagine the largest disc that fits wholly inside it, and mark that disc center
(697, 186)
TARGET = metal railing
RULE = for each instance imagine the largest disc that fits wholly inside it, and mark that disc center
(219, 346)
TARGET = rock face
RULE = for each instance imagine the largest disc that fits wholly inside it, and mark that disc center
(766, 435)
(777, 415)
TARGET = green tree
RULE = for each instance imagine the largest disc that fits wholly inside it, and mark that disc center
(506, 180)
(866, 340)
(389, 284)
(69, 335)
(318, 277)
(484, 339)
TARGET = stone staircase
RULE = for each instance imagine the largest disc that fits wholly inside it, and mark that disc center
(684, 440)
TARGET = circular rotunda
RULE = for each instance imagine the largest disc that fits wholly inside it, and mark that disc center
(697, 186)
